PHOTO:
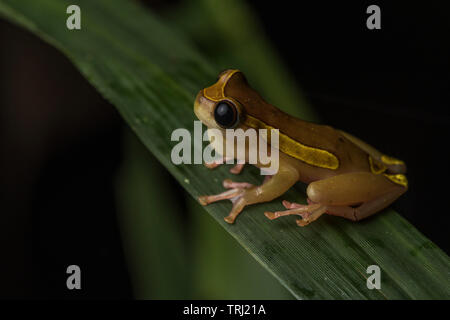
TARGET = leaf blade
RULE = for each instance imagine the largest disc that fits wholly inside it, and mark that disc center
(153, 88)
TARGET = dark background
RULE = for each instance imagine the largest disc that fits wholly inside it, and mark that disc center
(61, 142)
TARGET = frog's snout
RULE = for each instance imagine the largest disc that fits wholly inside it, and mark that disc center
(197, 103)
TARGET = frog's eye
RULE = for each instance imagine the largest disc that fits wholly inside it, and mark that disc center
(225, 114)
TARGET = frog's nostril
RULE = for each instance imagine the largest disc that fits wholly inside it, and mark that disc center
(199, 96)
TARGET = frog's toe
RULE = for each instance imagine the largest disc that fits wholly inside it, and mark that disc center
(237, 168)
(203, 200)
(302, 222)
(238, 206)
(228, 184)
(229, 194)
(216, 163)
(292, 205)
(312, 216)
(235, 193)
(211, 165)
(270, 215)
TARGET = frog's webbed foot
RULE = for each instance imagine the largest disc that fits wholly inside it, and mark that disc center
(309, 212)
(234, 193)
(235, 170)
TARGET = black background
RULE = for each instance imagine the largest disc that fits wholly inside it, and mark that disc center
(390, 87)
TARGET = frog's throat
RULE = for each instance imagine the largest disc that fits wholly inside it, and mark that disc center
(377, 168)
(312, 156)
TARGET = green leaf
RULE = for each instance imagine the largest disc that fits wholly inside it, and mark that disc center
(223, 269)
(157, 244)
(151, 74)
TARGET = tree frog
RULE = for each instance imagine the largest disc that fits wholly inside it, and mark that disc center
(346, 177)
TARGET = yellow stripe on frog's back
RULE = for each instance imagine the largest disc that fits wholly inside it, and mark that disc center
(312, 156)
(377, 168)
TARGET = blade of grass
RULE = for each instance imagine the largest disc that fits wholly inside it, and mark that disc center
(151, 75)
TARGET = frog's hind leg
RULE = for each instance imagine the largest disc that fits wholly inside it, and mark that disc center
(354, 196)
(228, 184)
(367, 208)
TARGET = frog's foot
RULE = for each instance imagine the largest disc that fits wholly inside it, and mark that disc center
(308, 212)
(234, 193)
(215, 164)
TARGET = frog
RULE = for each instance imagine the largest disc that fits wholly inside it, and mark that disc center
(345, 176)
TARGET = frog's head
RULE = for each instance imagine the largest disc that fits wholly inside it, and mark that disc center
(217, 106)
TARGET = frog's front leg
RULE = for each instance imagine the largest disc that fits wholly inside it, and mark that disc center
(242, 194)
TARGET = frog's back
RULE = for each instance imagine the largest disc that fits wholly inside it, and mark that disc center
(314, 137)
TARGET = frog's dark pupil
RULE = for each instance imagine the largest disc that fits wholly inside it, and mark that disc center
(225, 114)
